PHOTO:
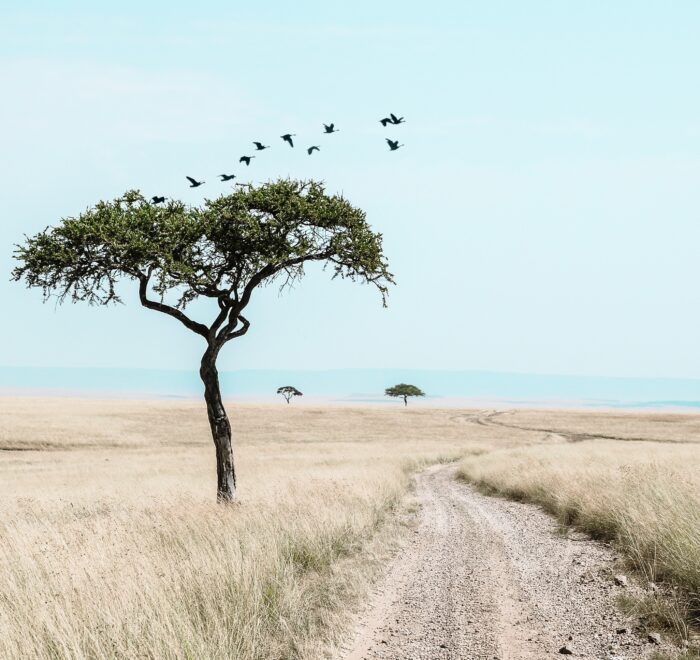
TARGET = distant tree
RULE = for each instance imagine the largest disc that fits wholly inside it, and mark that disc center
(403, 391)
(222, 251)
(288, 392)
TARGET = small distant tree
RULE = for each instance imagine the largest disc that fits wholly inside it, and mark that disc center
(403, 391)
(288, 392)
(222, 251)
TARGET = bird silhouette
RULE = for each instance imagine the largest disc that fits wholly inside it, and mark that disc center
(259, 146)
(310, 150)
(287, 137)
(227, 177)
(391, 119)
(393, 144)
(330, 128)
(194, 183)
(157, 200)
(246, 159)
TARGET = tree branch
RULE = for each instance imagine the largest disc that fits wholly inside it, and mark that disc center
(199, 328)
(241, 331)
(224, 310)
(270, 270)
(267, 271)
(229, 330)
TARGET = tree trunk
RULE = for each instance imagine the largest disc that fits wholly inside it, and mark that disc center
(405, 401)
(220, 428)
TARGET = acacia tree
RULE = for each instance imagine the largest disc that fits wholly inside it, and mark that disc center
(222, 251)
(403, 391)
(287, 391)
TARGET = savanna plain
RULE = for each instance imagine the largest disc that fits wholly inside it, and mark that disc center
(112, 544)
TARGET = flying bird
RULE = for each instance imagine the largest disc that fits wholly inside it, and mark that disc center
(246, 159)
(391, 119)
(194, 183)
(330, 128)
(227, 177)
(393, 144)
(259, 146)
(157, 200)
(310, 150)
(287, 137)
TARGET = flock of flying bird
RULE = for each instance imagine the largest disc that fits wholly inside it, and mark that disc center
(391, 120)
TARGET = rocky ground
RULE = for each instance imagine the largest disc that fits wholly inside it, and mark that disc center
(485, 578)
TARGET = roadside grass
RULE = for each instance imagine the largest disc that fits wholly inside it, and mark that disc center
(659, 611)
(642, 496)
(189, 579)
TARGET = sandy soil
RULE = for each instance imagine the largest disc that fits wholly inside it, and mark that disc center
(483, 577)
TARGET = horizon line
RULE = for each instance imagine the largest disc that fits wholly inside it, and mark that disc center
(359, 369)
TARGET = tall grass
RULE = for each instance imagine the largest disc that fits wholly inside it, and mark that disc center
(643, 496)
(186, 579)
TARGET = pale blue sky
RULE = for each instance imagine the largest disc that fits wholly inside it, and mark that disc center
(542, 217)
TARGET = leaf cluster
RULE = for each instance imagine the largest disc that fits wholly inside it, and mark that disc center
(289, 389)
(403, 390)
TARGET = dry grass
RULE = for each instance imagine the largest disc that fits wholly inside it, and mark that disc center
(645, 496)
(111, 544)
(186, 578)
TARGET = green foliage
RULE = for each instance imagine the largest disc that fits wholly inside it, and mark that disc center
(288, 391)
(403, 390)
(221, 250)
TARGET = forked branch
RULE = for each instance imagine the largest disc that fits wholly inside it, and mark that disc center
(199, 328)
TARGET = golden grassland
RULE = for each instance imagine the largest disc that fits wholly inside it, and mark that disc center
(111, 544)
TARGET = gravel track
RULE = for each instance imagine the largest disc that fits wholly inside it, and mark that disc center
(484, 578)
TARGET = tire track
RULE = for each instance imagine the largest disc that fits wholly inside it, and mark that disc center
(489, 419)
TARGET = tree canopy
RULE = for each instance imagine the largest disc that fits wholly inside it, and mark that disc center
(288, 391)
(222, 250)
(403, 391)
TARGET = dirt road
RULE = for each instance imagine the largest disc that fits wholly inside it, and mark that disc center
(484, 578)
